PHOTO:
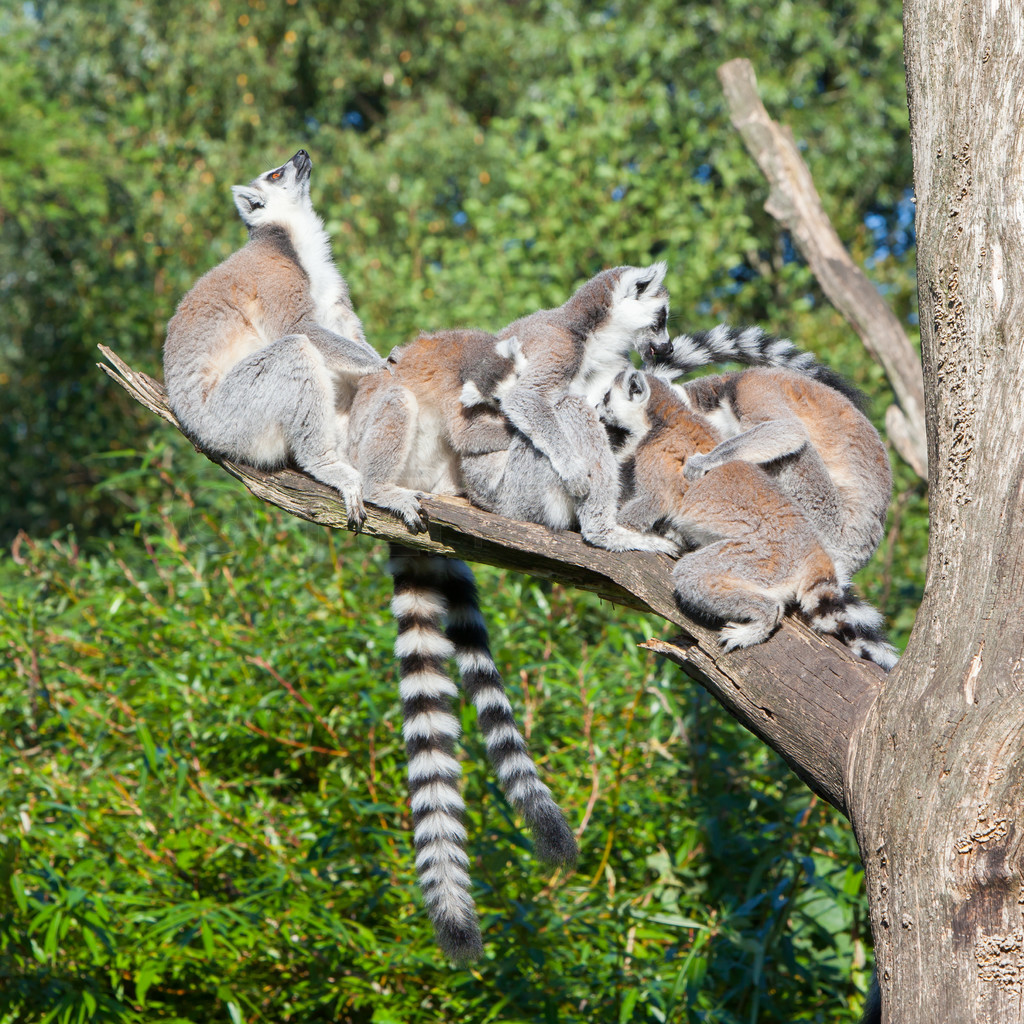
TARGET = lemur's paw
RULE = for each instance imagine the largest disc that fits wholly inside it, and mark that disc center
(696, 467)
(355, 510)
(411, 511)
(621, 539)
(744, 634)
(660, 545)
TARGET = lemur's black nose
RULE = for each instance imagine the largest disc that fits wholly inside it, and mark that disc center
(654, 351)
(302, 160)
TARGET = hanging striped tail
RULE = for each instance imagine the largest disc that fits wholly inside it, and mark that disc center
(851, 620)
(431, 729)
(506, 748)
(750, 346)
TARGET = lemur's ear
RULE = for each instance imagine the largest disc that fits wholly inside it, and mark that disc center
(636, 281)
(247, 200)
(511, 348)
(508, 348)
(471, 395)
(637, 387)
(652, 277)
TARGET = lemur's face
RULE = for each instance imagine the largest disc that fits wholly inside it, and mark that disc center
(640, 307)
(277, 193)
(624, 407)
(652, 299)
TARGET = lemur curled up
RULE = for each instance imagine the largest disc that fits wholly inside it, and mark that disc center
(263, 354)
(560, 470)
(762, 542)
(812, 440)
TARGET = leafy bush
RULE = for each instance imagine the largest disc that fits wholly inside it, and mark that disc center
(205, 813)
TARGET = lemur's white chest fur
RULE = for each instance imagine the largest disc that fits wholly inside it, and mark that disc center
(606, 351)
(313, 248)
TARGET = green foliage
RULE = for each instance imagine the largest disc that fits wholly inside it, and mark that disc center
(204, 814)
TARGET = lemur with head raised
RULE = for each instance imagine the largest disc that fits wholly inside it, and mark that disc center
(263, 354)
(757, 551)
(408, 433)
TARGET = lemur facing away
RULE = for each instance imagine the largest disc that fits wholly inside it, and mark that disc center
(757, 552)
(560, 470)
(408, 431)
(811, 439)
(263, 354)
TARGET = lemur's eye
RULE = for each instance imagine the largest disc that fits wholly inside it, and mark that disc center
(661, 319)
(275, 176)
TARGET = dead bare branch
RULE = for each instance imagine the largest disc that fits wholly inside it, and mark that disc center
(794, 202)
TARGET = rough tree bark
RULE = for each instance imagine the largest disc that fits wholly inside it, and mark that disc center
(935, 769)
(935, 787)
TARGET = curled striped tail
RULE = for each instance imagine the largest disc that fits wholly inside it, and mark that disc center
(750, 346)
(842, 613)
(506, 748)
(430, 729)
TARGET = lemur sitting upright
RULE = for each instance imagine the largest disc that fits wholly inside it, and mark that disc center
(263, 354)
(757, 552)
(408, 432)
(560, 470)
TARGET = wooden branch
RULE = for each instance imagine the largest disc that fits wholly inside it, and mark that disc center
(794, 202)
(801, 693)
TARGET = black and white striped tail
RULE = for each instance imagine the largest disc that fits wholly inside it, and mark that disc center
(852, 621)
(431, 729)
(750, 346)
(506, 748)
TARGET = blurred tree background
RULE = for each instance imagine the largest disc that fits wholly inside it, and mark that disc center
(204, 814)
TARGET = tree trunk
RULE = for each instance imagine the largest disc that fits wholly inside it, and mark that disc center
(935, 788)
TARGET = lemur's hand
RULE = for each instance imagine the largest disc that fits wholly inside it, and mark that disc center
(696, 467)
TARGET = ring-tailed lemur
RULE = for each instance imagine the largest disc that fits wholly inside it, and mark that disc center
(408, 431)
(757, 552)
(263, 354)
(560, 470)
(813, 441)
(818, 449)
